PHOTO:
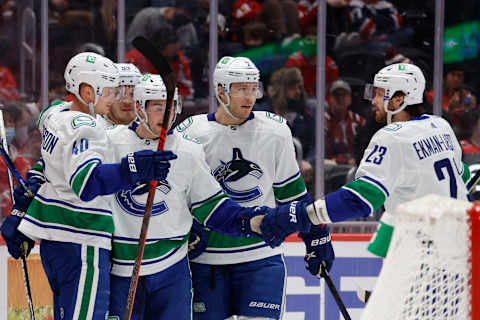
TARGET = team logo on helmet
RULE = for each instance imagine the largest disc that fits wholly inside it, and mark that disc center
(133, 201)
(236, 169)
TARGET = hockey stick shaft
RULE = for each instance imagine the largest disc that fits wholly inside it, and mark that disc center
(168, 77)
(11, 167)
(3, 135)
(333, 290)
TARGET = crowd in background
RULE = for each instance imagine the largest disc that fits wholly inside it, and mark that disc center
(279, 36)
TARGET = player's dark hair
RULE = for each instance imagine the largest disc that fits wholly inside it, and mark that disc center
(415, 110)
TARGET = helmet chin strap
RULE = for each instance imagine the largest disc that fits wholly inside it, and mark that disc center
(390, 113)
(144, 122)
(90, 105)
(225, 106)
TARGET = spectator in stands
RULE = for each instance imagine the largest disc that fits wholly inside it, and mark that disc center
(254, 34)
(374, 19)
(456, 100)
(374, 23)
(287, 97)
(307, 11)
(245, 11)
(149, 20)
(280, 17)
(341, 124)
(167, 42)
(306, 60)
(471, 146)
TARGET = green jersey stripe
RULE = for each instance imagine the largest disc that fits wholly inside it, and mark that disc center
(203, 211)
(55, 103)
(466, 173)
(82, 221)
(218, 240)
(128, 251)
(368, 191)
(290, 190)
(80, 179)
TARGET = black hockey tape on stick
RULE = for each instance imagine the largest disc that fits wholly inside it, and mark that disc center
(324, 274)
(473, 181)
(149, 51)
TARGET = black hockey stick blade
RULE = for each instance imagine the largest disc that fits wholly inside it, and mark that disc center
(149, 51)
(324, 274)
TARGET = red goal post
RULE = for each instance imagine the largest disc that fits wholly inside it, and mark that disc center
(431, 269)
(474, 214)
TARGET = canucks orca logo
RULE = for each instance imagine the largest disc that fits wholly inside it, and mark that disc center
(129, 202)
(234, 170)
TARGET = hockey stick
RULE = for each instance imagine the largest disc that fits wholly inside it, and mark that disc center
(149, 51)
(324, 274)
(11, 167)
(473, 181)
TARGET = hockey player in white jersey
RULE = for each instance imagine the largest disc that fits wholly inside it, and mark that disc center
(251, 155)
(68, 215)
(122, 111)
(414, 155)
(164, 289)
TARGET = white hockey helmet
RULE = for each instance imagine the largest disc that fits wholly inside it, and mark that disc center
(151, 87)
(92, 69)
(404, 77)
(129, 74)
(235, 70)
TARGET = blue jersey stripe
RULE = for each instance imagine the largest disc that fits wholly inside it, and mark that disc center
(117, 238)
(144, 263)
(64, 228)
(195, 204)
(211, 250)
(80, 167)
(74, 207)
(288, 179)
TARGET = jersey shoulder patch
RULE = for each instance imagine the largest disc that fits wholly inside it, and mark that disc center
(190, 138)
(83, 120)
(275, 117)
(392, 127)
(182, 126)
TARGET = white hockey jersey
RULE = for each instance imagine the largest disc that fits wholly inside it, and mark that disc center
(72, 145)
(189, 189)
(255, 165)
(404, 161)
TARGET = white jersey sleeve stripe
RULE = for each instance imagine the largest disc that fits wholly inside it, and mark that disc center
(286, 181)
(378, 183)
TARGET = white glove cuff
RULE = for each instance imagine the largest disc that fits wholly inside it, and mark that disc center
(317, 212)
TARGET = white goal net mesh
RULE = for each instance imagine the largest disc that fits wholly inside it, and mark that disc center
(426, 274)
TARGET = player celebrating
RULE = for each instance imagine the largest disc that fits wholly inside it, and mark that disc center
(414, 155)
(190, 189)
(74, 225)
(251, 155)
(122, 111)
